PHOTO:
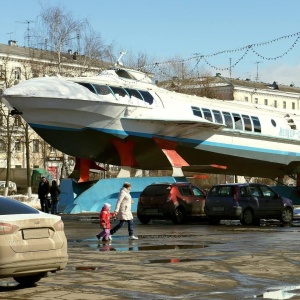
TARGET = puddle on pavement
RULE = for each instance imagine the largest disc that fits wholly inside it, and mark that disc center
(131, 247)
(282, 293)
(134, 247)
(169, 260)
(86, 268)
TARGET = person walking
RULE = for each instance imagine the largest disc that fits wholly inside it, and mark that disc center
(43, 191)
(123, 211)
(54, 192)
(104, 217)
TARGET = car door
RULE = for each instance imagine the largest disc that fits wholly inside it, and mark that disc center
(257, 201)
(192, 203)
(273, 202)
(199, 202)
(187, 199)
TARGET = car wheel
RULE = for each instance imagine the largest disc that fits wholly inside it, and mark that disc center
(144, 219)
(214, 221)
(287, 215)
(179, 216)
(30, 279)
(247, 217)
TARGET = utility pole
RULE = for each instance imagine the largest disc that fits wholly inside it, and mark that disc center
(230, 68)
(78, 43)
(257, 62)
(28, 29)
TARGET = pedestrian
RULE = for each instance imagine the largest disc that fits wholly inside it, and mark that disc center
(43, 192)
(123, 211)
(104, 217)
(54, 192)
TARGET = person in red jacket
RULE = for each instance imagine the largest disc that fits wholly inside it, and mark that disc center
(104, 217)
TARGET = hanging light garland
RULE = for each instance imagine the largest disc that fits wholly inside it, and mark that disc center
(251, 47)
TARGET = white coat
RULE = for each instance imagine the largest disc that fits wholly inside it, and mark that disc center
(123, 205)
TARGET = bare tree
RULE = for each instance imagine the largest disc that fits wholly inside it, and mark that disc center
(93, 52)
(59, 28)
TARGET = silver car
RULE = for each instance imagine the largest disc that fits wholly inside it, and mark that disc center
(32, 243)
(247, 202)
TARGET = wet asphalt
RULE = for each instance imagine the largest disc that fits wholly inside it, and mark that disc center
(191, 261)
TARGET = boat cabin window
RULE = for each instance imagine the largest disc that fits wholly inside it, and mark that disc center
(247, 122)
(119, 92)
(218, 116)
(256, 124)
(102, 89)
(207, 114)
(88, 86)
(134, 93)
(196, 111)
(228, 119)
(147, 97)
(115, 93)
(238, 124)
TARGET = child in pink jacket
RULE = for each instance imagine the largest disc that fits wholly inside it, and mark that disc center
(104, 217)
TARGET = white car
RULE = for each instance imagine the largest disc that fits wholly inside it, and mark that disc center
(32, 243)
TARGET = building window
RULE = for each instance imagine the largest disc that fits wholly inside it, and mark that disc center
(18, 121)
(18, 73)
(293, 105)
(284, 104)
(1, 120)
(246, 99)
(1, 71)
(52, 149)
(18, 146)
(256, 100)
(36, 146)
(2, 146)
(275, 103)
(266, 101)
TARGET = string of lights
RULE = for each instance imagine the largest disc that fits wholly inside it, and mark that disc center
(198, 57)
(279, 56)
(227, 68)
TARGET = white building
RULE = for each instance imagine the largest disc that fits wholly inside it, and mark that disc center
(18, 64)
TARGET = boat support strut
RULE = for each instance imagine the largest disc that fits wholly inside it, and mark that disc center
(125, 153)
(168, 148)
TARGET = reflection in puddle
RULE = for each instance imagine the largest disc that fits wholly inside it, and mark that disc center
(133, 247)
(85, 268)
(284, 293)
(169, 260)
(168, 247)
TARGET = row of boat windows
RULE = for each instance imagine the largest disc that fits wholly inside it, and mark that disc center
(231, 120)
(118, 92)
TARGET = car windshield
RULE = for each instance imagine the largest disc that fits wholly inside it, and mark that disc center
(14, 207)
(156, 190)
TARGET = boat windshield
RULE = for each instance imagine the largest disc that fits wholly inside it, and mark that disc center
(113, 93)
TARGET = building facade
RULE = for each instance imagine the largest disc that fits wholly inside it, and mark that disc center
(21, 63)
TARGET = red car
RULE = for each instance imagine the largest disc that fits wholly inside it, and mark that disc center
(177, 201)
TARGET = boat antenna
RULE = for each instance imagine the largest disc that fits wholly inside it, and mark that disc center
(119, 63)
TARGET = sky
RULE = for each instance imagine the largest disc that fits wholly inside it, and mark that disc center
(168, 29)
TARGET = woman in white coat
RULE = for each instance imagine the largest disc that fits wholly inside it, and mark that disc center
(123, 211)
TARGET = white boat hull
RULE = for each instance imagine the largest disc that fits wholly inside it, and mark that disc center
(85, 127)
